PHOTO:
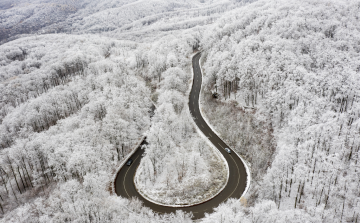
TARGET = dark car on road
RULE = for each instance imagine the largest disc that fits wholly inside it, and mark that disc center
(129, 162)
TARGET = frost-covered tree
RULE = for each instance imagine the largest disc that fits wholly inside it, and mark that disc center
(290, 70)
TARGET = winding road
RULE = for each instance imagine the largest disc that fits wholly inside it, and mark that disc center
(124, 182)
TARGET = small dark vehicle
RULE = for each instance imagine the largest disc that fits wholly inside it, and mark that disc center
(215, 95)
(129, 162)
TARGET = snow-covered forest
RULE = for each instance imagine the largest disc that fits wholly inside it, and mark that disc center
(179, 168)
(69, 113)
(120, 19)
(73, 106)
(290, 69)
(78, 79)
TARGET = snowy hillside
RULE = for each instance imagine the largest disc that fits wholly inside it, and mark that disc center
(78, 79)
(62, 110)
(23, 17)
(295, 66)
(74, 106)
(109, 17)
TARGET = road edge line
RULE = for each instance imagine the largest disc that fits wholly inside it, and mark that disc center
(122, 163)
(248, 179)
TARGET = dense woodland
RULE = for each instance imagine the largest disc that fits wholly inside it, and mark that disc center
(72, 106)
(120, 19)
(73, 117)
(32, 16)
(295, 67)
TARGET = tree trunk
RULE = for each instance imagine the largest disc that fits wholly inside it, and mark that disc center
(27, 173)
(342, 212)
(15, 178)
(280, 194)
(22, 181)
(4, 182)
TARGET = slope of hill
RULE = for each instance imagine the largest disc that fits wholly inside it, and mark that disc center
(118, 19)
(72, 106)
(28, 17)
(71, 109)
(294, 67)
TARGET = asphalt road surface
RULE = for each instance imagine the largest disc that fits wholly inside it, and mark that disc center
(124, 183)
